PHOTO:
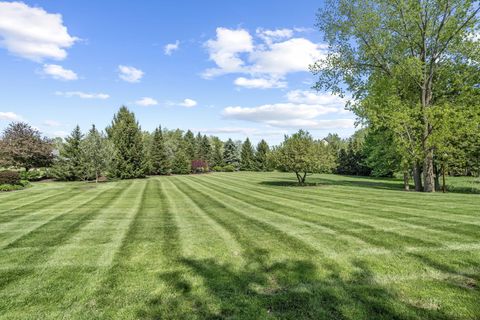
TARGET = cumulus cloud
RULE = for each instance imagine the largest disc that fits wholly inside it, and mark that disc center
(188, 103)
(10, 116)
(260, 83)
(130, 74)
(303, 109)
(83, 95)
(225, 51)
(146, 102)
(33, 33)
(267, 61)
(59, 73)
(171, 47)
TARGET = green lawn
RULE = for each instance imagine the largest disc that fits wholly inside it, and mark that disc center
(241, 246)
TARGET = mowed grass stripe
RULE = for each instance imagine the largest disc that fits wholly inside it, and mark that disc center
(379, 215)
(231, 212)
(327, 217)
(450, 202)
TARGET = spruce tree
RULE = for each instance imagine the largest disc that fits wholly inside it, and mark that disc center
(205, 153)
(190, 146)
(96, 154)
(158, 154)
(247, 156)
(230, 153)
(217, 153)
(181, 164)
(261, 160)
(126, 136)
(70, 165)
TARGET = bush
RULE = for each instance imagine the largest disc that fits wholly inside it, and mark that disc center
(217, 168)
(229, 168)
(35, 175)
(10, 187)
(9, 177)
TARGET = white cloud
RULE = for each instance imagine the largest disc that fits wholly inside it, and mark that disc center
(169, 48)
(51, 123)
(58, 72)
(10, 116)
(60, 134)
(33, 33)
(270, 36)
(188, 103)
(130, 74)
(304, 109)
(260, 83)
(83, 95)
(146, 101)
(225, 50)
(268, 62)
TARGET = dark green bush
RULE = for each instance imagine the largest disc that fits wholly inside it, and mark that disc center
(9, 177)
(34, 175)
(229, 168)
(10, 187)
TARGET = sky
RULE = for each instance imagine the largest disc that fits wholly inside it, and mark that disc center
(226, 68)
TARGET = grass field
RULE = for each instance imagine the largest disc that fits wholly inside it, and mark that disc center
(241, 246)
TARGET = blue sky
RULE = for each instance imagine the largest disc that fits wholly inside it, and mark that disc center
(229, 68)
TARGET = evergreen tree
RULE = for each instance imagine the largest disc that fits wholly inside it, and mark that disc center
(96, 154)
(190, 146)
(70, 166)
(181, 164)
(198, 147)
(126, 136)
(230, 153)
(247, 156)
(158, 154)
(261, 156)
(205, 150)
(217, 153)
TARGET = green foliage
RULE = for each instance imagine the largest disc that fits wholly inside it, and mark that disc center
(9, 177)
(181, 164)
(160, 163)
(229, 168)
(217, 168)
(126, 137)
(230, 153)
(261, 156)
(23, 146)
(247, 156)
(303, 155)
(37, 174)
(217, 153)
(69, 165)
(204, 149)
(96, 154)
(352, 159)
(11, 187)
(190, 145)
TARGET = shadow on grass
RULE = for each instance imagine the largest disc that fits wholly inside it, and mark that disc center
(291, 289)
(349, 181)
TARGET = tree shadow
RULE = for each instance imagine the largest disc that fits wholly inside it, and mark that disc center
(289, 289)
(348, 181)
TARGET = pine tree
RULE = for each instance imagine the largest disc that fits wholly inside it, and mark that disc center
(126, 136)
(230, 153)
(247, 156)
(261, 160)
(190, 146)
(205, 150)
(158, 154)
(217, 153)
(70, 165)
(198, 147)
(96, 154)
(181, 164)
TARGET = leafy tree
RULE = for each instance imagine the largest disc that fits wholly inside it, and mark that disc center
(303, 155)
(96, 154)
(23, 146)
(261, 156)
(69, 165)
(230, 153)
(126, 136)
(247, 156)
(413, 59)
(158, 154)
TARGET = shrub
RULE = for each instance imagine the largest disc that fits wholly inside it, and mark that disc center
(10, 187)
(217, 168)
(35, 175)
(229, 168)
(9, 177)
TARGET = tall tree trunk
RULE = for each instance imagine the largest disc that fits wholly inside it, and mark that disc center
(406, 176)
(428, 174)
(437, 176)
(443, 178)
(417, 177)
